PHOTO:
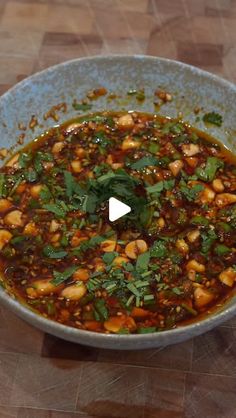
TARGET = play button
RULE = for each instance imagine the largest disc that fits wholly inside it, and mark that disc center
(117, 209)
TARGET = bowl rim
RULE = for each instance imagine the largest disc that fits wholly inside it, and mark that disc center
(87, 337)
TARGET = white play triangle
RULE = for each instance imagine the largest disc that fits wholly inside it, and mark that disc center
(117, 209)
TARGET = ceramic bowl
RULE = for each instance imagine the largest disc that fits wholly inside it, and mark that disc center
(190, 87)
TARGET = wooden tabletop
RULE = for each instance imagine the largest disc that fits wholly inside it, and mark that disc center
(42, 376)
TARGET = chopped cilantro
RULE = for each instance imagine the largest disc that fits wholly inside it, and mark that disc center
(213, 118)
(222, 249)
(52, 252)
(144, 162)
(109, 257)
(208, 238)
(24, 159)
(30, 176)
(199, 220)
(146, 330)
(159, 249)
(177, 291)
(2, 185)
(208, 172)
(190, 192)
(143, 261)
(82, 106)
(56, 209)
(60, 277)
(101, 139)
(153, 147)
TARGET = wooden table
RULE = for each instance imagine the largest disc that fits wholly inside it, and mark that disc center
(41, 376)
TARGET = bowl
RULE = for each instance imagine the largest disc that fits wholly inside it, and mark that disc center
(190, 88)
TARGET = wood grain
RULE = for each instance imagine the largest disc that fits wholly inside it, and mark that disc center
(42, 376)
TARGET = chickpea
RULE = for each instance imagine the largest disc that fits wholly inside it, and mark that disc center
(79, 152)
(54, 226)
(190, 149)
(31, 229)
(194, 265)
(14, 218)
(202, 297)
(134, 248)
(55, 237)
(192, 275)
(228, 277)
(76, 166)
(35, 190)
(115, 166)
(13, 162)
(115, 323)
(5, 204)
(218, 185)
(108, 246)
(207, 195)
(99, 264)
(129, 143)
(109, 159)
(125, 121)
(74, 291)
(5, 237)
(119, 260)
(42, 287)
(58, 147)
(193, 235)
(161, 222)
(81, 274)
(176, 166)
(182, 246)
(224, 199)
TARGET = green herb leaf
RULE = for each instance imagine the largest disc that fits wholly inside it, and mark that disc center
(39, 157)
(56, 209)
(189, 309)
(2, 185)
(153, 147)
(156, 188)
(207, 240)
(177, 291)
(109, 257)
(213, 118)
(82, 106)
(146, 330)
(101, 309)
(143, 261)
(30, 176)
(222, 249)
(209, 171)
(18, 240)
(101, 139)
(159, 249)
(52, 252)
(24, 159)
(144, 162)
(190, 193)
(199, 220)
(60, 277)
(45, 194)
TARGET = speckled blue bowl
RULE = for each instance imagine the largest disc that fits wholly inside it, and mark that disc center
(190, 88)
